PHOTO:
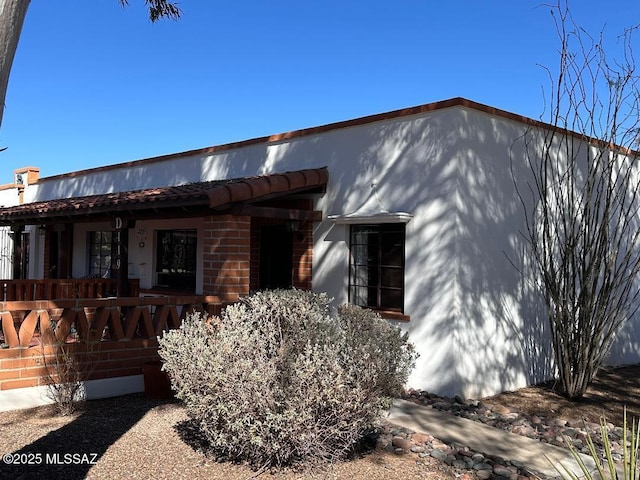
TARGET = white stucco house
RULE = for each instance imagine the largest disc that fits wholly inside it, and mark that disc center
(413, 213)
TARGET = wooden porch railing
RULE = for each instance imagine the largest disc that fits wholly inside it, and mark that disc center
(108, 319)
(53, 289)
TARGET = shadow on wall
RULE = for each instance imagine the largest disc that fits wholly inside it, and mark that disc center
(405, 159)
(501, 334)
(173, 171)
(477, 321)
(626, 346)
(478, 324)
(475, 313)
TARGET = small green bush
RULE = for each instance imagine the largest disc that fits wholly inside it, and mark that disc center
(278, 380)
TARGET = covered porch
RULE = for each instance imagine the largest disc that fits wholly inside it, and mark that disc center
(186, 239)
(120, 268)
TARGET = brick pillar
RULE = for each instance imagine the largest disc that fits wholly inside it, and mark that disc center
(254, 268)
(303, 256)
(226, 256)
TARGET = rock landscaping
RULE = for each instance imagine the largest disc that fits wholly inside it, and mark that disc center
(467, 463)
(471, 464)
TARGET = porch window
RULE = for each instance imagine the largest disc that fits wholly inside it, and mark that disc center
(176, 259)
(376, 273)
(100, 254)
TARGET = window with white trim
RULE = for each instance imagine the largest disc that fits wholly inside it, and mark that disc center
(376, 273)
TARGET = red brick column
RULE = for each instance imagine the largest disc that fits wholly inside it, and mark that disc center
(226, 256)
(256, 223)
(303, 256)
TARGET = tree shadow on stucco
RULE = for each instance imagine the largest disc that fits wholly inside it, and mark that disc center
(71, 451)
(625, 345)
(477, 320)
(490, 343)
(500, 312)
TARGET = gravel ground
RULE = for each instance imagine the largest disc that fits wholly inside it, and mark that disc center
(135, 437)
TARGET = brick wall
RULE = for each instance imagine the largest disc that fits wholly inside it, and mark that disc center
(232, 255)
(227, 256)
(25, 367)
(303, 256)
(254, 265)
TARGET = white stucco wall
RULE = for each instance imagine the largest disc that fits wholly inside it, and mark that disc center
(9, 197)
(478, 326)
(498, 331)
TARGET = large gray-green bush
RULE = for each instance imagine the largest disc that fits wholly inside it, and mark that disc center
(279, 380)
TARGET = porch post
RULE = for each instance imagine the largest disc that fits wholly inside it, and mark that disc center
(122, 257)
(17, 250)
(227, 254)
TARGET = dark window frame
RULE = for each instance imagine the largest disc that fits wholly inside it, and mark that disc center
(102, 270)
(174, 270)
(385, 270)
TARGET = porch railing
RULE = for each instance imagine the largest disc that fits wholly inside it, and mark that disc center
(107, 319)
(51, 289)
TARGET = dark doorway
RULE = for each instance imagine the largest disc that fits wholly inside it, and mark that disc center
(54, 271)
(276, 253)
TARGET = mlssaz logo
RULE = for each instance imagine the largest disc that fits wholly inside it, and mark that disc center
(72, 458)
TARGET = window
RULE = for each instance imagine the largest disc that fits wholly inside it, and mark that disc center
(376, 274)
(176, 259)
(100, 254)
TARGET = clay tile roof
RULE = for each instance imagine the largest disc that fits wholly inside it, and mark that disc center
(212, 195)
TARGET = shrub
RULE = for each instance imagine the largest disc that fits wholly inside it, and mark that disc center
(68, 363)
(278, 380)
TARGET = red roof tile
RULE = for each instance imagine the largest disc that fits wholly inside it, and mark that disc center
(213, 194)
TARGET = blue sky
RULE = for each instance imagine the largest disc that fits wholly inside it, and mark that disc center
(95, 84)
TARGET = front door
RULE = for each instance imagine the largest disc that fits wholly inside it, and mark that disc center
(276, 252)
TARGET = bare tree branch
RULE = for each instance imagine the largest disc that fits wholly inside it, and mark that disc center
(581, 209)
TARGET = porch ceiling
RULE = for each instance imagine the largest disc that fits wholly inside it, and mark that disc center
(184, 200)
